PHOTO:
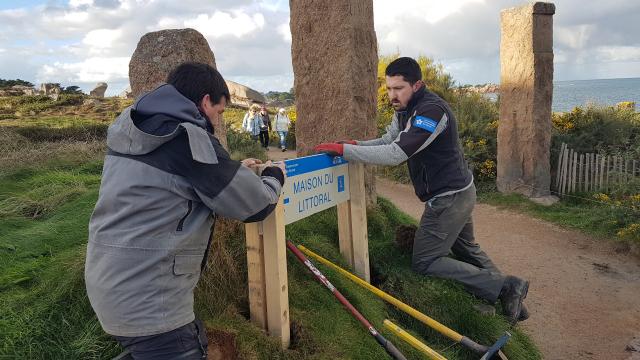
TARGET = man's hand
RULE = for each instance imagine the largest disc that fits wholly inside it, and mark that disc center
(251, 162)
(350, 142)
(332, 149)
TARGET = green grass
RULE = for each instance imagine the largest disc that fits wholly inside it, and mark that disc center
(579, 212)
(48, 189)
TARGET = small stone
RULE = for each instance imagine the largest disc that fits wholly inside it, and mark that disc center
(485, 310)
(545, 200)
(634, 345)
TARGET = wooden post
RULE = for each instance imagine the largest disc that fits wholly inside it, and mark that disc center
(596, 172)
(634, 169)
(573, 172)
(565, 156)
(559, 168)
(587, 172)
(275, 275)
(345, 237)
(608, 171)
(602, 164)
(358, 210)
(267, 275)
(255, 272)
(581, 173)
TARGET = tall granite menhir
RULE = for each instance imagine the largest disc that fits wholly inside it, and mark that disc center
(335, 60)
(526, 89)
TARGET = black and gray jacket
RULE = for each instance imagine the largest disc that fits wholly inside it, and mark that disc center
(426, 137)
(164, 179)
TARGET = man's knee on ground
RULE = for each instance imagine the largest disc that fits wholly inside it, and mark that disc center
(421, 265)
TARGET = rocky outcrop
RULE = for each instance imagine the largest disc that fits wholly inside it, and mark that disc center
(157, 53)
(19, 90)
(244, 96)
(126, 93)
(99, 90)
(526, 87)
(335, 67)
(51, 90)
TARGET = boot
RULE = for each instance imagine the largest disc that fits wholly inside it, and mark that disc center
(524, 313)
(514, 290)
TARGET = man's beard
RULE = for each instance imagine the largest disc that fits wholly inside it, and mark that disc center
(397, 106)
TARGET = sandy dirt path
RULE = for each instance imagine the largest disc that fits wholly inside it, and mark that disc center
(584, 298)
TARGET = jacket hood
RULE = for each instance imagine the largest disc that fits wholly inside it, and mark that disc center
(168, 110)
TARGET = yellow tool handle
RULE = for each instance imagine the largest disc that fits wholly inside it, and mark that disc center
(397, 303)
(412, 341)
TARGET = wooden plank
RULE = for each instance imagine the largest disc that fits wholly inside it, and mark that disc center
(255, 269)
(626, 171)
(608, 169)
(358, 207)
(559, 168)
(591, 171)
(596, 173)
(565, 157)
(345, 237)
(275, 275)
(587, 172)
(581, 173)
(602, 167)
(615, 169)
(634, 169)
(573, 172)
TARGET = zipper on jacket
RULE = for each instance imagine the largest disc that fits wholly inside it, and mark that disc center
(426, 178)
(181, 223)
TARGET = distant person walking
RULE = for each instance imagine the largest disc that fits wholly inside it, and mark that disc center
(265, 128)
(253, 122)
(282, 123)
(247, 121)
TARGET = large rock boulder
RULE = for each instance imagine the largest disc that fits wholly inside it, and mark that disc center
(99, 90)
(243, 95)
(160, 52)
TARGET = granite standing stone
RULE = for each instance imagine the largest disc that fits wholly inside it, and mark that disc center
(526, 89)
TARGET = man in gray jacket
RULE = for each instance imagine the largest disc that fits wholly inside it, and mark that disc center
(424, 134)
(165, 179)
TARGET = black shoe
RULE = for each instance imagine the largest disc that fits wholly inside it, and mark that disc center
(524, 313)
(513, 292)
(283, 149)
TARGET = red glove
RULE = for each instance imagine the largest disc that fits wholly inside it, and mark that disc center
(331, 149)
(350, 142)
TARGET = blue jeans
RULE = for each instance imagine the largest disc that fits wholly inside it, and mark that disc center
(188, 342)
(283, 139)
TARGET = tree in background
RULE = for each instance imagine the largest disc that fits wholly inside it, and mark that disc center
(9, 83)
(71, 90)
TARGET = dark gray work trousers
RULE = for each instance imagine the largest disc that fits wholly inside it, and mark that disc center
(188, 342)
(446, 228)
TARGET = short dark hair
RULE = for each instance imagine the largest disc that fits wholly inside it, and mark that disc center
(195, 80)
(405, 66)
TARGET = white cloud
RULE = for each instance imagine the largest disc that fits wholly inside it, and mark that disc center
(575, 37)
(90, 70)
(285, 31)
(100, 41)
(222, 23)
(618, 53)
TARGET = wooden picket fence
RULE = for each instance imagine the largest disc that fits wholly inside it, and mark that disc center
(591, 171)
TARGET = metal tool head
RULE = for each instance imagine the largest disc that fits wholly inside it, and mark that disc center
(494, 352)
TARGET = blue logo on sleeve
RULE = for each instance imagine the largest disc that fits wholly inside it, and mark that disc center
(425, 123)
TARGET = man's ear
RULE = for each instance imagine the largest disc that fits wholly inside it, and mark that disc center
(205, 101)
(418, 85)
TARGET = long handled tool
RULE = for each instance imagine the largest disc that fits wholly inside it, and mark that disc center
(387, 345)
(487, 352)
(413, 341)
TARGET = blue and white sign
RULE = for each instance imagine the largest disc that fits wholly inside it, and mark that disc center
(314, 183)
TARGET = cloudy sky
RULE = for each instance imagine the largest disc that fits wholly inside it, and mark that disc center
(82, 42)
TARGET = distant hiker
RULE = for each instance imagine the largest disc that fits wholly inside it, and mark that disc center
(265, 128)
(165, 180)
(424, 134)
(282, 123)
